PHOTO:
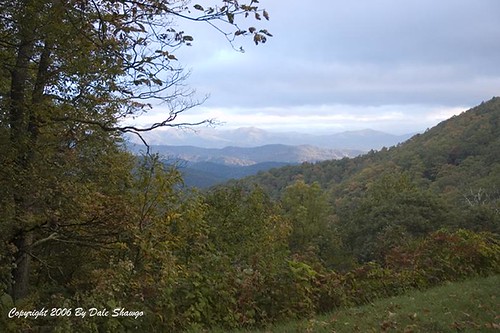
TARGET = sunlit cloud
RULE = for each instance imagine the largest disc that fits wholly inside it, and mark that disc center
(325, 118)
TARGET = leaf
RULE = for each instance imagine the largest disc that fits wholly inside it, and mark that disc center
(266, 15)
(252, 30)
(265, 32)
(157, 81)
(230, 17)
(6, 301)
(258, 38)
(198, 7)
(257, 16)
(187, 38)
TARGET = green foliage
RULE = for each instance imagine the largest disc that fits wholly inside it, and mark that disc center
(481, 209)
(246, 229)
(314, 235)
(392, 210)
(242, 223)
(448, 164)
(445, 256)
(82, 224)
(440, 257)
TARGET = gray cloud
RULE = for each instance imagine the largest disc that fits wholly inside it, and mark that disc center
(366, 55)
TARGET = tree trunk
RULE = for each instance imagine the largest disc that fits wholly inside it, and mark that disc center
(27, 87)
(22, 145)
(21, 272)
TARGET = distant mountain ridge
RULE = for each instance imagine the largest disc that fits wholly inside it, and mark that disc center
(458, 156)
(233, 154)
(204, 167)
(206, 174)
(245, 156)
(365, 140)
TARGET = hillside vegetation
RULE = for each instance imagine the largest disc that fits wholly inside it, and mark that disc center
(447, 177)
(289, 243)
(456, 156)
(470, 306)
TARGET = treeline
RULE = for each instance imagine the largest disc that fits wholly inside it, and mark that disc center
(237, 258)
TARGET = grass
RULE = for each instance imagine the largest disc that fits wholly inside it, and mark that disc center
(470, 306)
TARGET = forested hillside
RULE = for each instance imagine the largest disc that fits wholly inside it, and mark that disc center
(458, 155)
(448, 176)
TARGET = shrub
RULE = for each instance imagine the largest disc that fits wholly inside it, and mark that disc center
(448, 256)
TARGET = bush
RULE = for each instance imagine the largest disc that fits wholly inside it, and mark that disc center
(448, 256)
(441, 256)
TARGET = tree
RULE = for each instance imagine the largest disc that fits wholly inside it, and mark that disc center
(481, 211)
(392, 211)
(250, 236)
(245, 226)
(72, 70)
(313, 232)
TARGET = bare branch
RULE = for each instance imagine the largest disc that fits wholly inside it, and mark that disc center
(51, 237)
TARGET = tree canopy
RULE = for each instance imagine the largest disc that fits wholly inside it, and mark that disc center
(71, 72)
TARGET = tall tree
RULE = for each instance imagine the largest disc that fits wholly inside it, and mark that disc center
(314, 233)
(72, 70)
(391, 211)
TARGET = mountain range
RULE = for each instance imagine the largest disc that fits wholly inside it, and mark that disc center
(365, 140)
(459, 158)
(209, 156)
(204, 167)
(246, 156)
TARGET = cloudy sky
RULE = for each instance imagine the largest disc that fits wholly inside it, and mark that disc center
(335, 65)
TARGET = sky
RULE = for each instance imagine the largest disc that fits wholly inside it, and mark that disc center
(336, 65)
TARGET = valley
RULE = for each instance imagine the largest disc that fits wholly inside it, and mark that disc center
(206, 165)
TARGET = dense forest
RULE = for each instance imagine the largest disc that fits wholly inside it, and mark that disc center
(448, 176)
(96, 240)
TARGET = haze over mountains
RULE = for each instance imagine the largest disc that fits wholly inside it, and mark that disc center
(459, 158)
(245, 156)
(208, 156)
(364, 140)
